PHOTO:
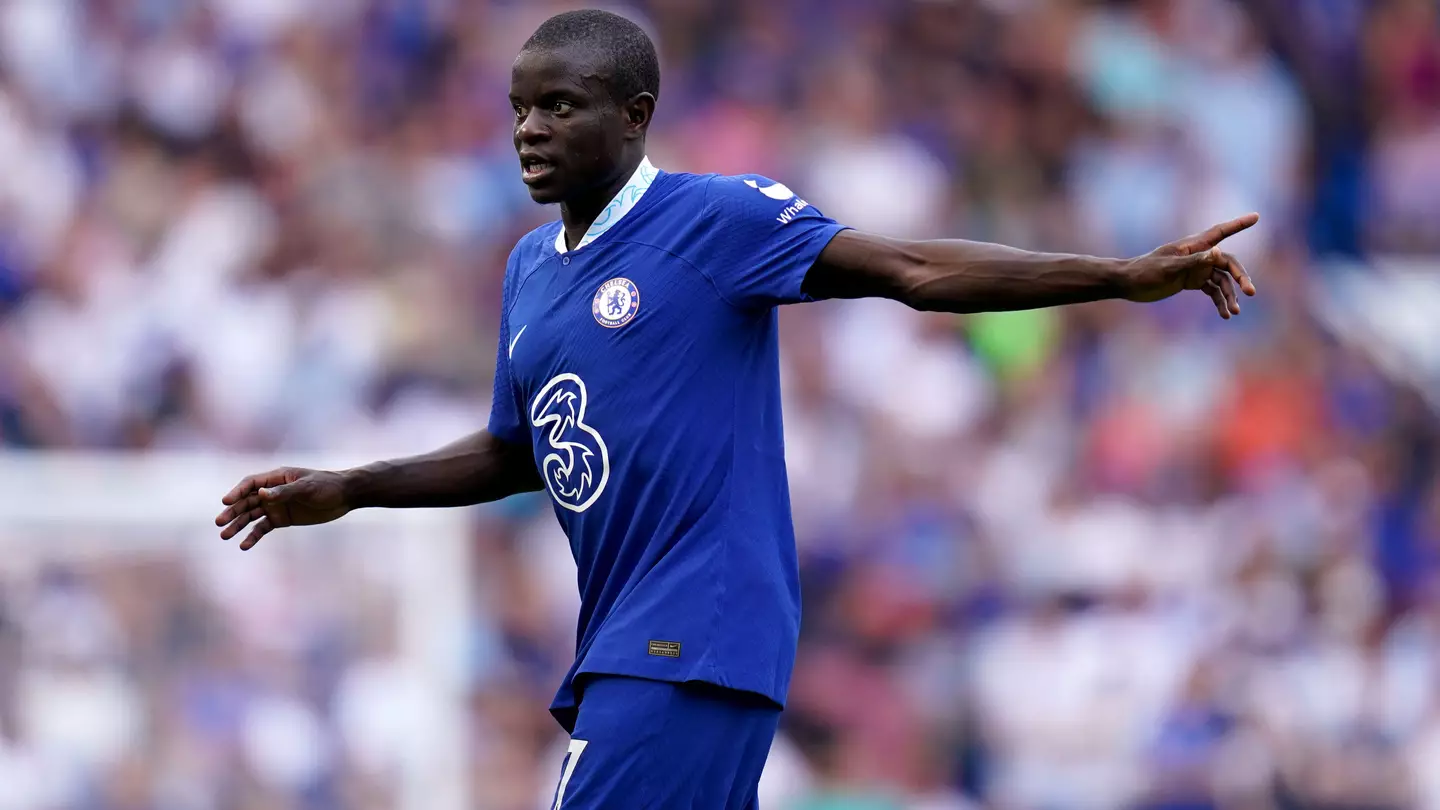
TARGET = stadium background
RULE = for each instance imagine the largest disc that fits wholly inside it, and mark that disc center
(1109, 557)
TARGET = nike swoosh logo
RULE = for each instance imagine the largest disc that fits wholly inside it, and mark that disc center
(516, 339)
(779, 191)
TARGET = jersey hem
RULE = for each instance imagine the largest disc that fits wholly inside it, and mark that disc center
(565, 705)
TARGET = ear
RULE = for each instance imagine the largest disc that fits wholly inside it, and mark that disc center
(638, 111)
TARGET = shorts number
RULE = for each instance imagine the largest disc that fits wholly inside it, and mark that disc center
(572, 756)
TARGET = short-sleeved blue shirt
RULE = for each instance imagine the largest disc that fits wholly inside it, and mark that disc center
(643, 369)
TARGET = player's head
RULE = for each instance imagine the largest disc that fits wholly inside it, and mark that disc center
(584, 89)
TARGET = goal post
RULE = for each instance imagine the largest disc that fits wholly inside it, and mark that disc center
(84, 508)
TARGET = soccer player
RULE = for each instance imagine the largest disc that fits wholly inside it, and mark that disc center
(637, 380)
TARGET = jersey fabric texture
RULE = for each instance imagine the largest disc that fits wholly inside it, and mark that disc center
(642, 743)
(643, 369)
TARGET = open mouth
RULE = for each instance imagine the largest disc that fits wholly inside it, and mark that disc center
(532, 169)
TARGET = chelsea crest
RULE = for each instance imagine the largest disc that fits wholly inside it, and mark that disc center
(616, 303)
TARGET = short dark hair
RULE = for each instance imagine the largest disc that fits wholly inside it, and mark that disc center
(621, 48)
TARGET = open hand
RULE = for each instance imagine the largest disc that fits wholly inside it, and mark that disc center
(288, 496)
(1193, 263)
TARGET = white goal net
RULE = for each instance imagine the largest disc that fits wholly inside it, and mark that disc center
(138, 648)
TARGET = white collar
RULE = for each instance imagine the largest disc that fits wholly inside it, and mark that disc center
(618, 207)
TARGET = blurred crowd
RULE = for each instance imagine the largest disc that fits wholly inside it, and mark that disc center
(151, 681)
(1113, 556)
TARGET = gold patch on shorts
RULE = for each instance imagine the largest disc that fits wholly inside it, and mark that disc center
(665, 649)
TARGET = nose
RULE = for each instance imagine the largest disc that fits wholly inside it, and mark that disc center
(531, 130)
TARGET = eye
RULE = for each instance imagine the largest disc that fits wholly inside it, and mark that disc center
(561, 107)
(519, 112)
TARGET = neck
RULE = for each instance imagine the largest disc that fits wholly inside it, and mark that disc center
(579, 214)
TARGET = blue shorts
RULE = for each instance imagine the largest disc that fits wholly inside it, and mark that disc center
(651, 744)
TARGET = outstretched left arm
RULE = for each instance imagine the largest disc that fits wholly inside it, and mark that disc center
(951, 275)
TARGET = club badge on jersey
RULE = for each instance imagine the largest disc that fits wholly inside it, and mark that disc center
(616, 303)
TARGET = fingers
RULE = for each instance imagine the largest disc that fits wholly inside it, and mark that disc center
(251, 483)
(241, 521)
(240, 490)
(1227, 291)
(260, 529)
(1236, 271)
(1215, 234)
(251, 501)
(236, 509)
(273, 494)
(245, 505)
(1225, 273)
(1221, 290)
(1212, 289)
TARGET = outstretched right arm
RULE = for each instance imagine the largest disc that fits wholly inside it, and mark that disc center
(485, 466)
(476, 469)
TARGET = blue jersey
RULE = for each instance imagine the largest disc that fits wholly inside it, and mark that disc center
(642, 367)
